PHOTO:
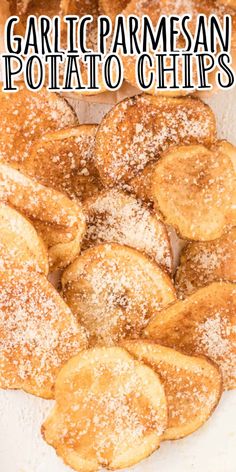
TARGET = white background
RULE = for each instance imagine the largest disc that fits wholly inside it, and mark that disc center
(211, 449)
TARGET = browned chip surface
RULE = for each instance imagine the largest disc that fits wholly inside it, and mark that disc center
(59, 220)
(203, 324)
(110, 411)
(192, 187)
(114, 291)
(38, 332)
(138, 129)
(20, 243)
(192, 385)
(113, 216)
(64, 160)
(25, 117)
(204, 262)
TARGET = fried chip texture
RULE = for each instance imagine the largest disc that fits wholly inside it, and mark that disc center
(114, 291)
(193, 385)
(110, 411)
(203, 324)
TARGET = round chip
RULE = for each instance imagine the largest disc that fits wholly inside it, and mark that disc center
(192, 187)
(38, 332)
(25, 117)
(64, 160)
(110, 411)
(138, 129)
(114, 216)
(203, 324)
(20, 243)
(114, 291)
(204, 262)
(193, 385)
(59, 220)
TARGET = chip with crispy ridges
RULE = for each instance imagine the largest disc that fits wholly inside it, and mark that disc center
(138, 129)
(193, 385)
(202, 324)
(192, 187)
(114, 216)
(110, 411)
(114, 291)
(204, 262)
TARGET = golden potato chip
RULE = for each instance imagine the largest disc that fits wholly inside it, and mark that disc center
(64, 160)
(114, 291)
(38, 332)
(25, 117)
(110, 411)
(59, 220)
(113, 216)
(204, 262)
(138, 129)
(193, 385)
(192, 187)
(202, 324)
(19, 242)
